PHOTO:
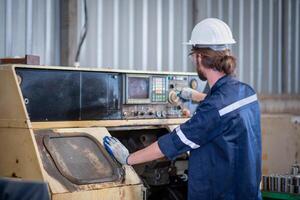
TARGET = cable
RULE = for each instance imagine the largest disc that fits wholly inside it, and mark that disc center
(82, 35)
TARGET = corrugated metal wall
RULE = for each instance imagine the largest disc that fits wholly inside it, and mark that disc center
(267, 34)
(137, 34)
(30, 27)
(148, 35)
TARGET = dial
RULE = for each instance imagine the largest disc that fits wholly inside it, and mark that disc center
(173, 98)
(194, 84)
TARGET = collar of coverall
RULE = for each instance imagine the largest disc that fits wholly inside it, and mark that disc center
(220, 82)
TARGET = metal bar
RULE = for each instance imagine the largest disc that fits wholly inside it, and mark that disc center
(241, 39)
(8, 28)
(159, 34)
(260, 34)
(171, 35)
(28, 26)
(230, 13)
(57, 39)
(252, 42)
(279, 50)
(208, 8)
(99, 33)
(145, 35)
(289, 67)
(131, 34)
(116, 34)
(220, 9)
(185, 34)
(297, 64)
(48, 17)
(270, 80)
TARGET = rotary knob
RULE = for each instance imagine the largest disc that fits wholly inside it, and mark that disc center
(150, 112)
(173, 98)
(125, 114)
(158, 114)
(186, 112)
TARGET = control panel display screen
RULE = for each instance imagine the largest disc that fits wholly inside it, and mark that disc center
(138, 87)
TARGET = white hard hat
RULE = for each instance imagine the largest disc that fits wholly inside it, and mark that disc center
(212, 33)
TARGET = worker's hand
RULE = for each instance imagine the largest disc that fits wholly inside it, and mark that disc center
(191, 94)
(116, 149)
(186, 93)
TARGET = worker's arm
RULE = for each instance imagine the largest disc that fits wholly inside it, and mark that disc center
(198, 96)
(149, 153)
(199, 130)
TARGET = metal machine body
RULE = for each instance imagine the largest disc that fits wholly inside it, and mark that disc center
(56, 117)
(66, 95)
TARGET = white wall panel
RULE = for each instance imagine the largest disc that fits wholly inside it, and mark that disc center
(30, 27)
(137, 34)
(267, 34)
(148, 34)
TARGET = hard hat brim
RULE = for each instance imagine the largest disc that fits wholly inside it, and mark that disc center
(193, 44)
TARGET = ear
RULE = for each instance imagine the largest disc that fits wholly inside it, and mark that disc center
(198, 59)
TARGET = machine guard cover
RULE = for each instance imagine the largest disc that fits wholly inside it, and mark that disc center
(81, 159)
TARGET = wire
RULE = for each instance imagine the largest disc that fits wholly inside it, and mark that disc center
(82, 34)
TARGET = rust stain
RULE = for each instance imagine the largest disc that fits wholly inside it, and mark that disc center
(265, 170)
(265, 156)
(121, 193)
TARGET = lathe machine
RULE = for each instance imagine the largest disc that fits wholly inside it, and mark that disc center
(53, 119)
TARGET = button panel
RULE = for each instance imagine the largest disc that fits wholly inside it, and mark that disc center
(159, 90)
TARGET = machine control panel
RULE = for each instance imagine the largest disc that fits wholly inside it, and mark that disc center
(60, 95)
(157, 96)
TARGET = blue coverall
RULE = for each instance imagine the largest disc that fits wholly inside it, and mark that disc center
(224, 140)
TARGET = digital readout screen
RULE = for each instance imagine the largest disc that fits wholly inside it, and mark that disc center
(138, 87)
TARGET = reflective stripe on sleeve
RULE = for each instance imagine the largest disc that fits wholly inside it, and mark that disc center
(237, 105)
(185, 140)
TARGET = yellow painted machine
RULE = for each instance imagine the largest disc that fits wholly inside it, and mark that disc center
(53, 119)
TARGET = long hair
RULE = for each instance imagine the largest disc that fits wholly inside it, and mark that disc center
(221, 61)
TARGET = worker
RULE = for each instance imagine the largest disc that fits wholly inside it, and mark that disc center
(223, 136)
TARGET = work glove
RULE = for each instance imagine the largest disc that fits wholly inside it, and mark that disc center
(186, 93)
(116, 149)
(191, 94)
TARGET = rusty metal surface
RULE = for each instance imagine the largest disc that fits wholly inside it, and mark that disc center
(76, 159)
